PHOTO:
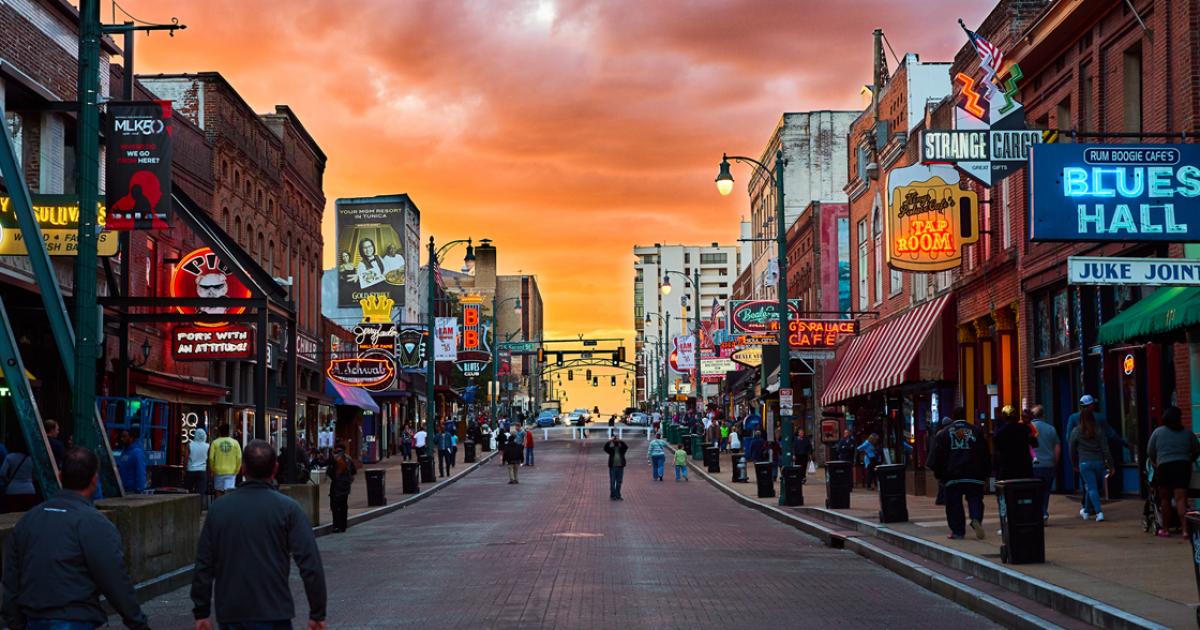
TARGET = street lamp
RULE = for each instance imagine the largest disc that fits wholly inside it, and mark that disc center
(435, 255)
(495, 393)
(775, 176)
(663, 355)
(694, 281)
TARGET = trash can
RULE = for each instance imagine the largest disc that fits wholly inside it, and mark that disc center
(839, 478)
(1022, 531)
(410, 473)
(468, 452)
(712, 459)
(697, 447)
(1193, 530)
(893, 504)
(738, 464)
(766, 485)
(486, 444)
(375, 489)
(428, 474)
(792, 485)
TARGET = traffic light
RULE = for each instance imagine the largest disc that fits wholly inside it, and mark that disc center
(614, 381)
(596, 382)
(570, 375)
(589, 374)
(621, 354)
(541, 355)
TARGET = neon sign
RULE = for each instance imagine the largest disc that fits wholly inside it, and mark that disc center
(202, 274)
(361, 371)
(930, 218)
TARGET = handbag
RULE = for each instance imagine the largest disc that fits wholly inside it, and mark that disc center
(812, 467)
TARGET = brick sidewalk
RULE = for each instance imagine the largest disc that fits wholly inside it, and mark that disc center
(1113, 561)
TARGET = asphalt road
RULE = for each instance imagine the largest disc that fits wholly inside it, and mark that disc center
(555, 552)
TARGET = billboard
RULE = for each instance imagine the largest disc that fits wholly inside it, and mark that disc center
(1114, 192)
(376, 254)
(58, 218)
(138, 166)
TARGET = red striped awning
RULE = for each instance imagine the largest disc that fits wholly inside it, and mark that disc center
(878, 359)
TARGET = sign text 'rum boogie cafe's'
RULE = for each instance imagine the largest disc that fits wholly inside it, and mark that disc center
(1115, 192)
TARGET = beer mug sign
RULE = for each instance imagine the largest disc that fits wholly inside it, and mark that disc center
(930, 218)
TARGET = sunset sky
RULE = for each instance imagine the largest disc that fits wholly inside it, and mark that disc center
(564, 130)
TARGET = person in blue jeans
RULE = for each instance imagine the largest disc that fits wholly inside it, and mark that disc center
(680, 464)
(656, 453)
(960, 460)
(1093, 460)
(1046, 455)
(616, 448)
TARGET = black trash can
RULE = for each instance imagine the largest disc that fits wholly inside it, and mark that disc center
(839, 479)
(1021, 527)
(712, 459)
(738, 464)
(1193, 530)
(428, 474)
(766, 485)
(486, 443)
(697, 447)
(793, 485)
(468, 452)
(893, 504)
(410, 473)
(375, 488)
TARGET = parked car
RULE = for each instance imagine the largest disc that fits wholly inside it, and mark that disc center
(639, 419)
(547, 418)
(574, 419)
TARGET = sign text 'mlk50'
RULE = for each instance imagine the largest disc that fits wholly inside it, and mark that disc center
(1115, 192)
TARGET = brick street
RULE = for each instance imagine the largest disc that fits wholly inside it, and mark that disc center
(554, 552)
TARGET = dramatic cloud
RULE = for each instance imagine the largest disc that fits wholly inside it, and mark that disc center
(566, 131)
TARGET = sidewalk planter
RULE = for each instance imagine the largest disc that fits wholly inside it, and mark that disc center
(308, 495)
(712, 459)
(893, 505)
(410, 473)
(1021, 526)
(839, 480)
(158, 532)
(376, 490)
(766, 485)
(793, 486)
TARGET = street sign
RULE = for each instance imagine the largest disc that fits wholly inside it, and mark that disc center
(585, 355)
(785, 402)
(521, 347)
(821, 355)
(1133, 271)
(590, 342)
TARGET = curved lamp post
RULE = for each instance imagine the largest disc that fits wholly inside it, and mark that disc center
(775, 176)
(663, 356)
(435, 255)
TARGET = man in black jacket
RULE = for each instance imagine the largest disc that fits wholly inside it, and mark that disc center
(961, 461)
(64, 553)
(245, 546)
(616, 448)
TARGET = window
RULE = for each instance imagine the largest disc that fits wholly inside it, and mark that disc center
(16, 127)
(1085, 97)
(862, 265)
(687, 258)
(843, 264)
(877, 233)
(920, 287)
(722, 271)
(714, 259)
(895, 282)
(224, 168)
(1131, 88)
(1005, 216)
(1062, 114)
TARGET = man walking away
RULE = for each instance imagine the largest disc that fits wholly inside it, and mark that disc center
(419, 442)
(56, 444)
(961, 460)
(245, 546)
(529, 447)
(512, 456)
(802, 450)
(132, 462)
(1046, 456)
(224, 461)
(63, 554)
(616, 448)
(441, 440)
(197, 463)
(341, 480)
(656, 453)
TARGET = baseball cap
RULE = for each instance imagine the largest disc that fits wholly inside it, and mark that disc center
(1087, 400)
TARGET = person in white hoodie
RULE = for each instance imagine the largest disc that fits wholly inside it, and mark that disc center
(197, 466)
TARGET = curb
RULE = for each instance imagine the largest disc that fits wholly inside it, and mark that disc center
(167, 582)
(1061, 600)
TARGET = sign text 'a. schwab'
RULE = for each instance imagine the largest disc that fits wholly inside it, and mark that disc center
(1113, 192)
(361, 371)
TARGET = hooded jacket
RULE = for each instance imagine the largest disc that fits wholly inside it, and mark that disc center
(198, 452)
(960, 454)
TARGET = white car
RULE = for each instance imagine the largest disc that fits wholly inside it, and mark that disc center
(583, 413)
(639, 419)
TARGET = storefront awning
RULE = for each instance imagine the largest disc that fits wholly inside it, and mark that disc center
(1166, 310)
(879, 359)
(350, 396)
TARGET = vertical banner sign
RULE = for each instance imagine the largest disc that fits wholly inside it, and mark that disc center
(685, 349)
(445, 341)
(373, 257)
(473, 356)
(785, 401)
(138, 166)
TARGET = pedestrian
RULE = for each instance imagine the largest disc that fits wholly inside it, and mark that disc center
(1088, 402)
(1046, 456)
(246, 546)
(529, 448)
(453, 449)
(197, 463)
(656, 455)
(1172, 451)
(1012, 440)
(406, 443)
(512, 456)
(224, 461)
(681, 464)
(870, 451)
(712, 434)
(441, 441)
(756, 449)
(844, 449)
(419, 442)
(961, 461)
(341, 480)
(615, 447)
(56, 444)
(132, 462)
(937, 428)
(16, 479)
(802, 451)
(735, 440)
(501, 443)
(61, 556)
(1092, 461)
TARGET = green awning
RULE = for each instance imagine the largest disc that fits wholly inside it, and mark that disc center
(1166, 310)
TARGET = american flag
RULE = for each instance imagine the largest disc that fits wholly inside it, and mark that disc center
(715, 315)
(990, 55)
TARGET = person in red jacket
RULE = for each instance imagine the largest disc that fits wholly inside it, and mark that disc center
(529, 446)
